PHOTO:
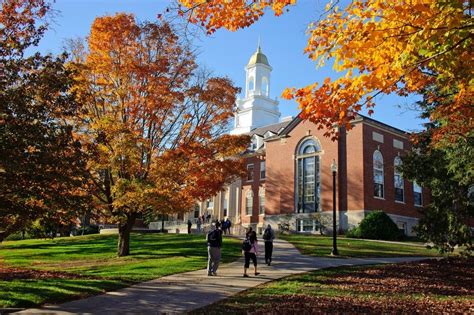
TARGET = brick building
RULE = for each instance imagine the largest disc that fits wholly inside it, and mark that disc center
(289, 181)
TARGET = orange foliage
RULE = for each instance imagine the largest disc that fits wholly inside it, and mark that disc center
(382, 47)
(153, 122)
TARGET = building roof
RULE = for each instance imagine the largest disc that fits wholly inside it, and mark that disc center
(275, 128)
(359, 117)
(258, 57)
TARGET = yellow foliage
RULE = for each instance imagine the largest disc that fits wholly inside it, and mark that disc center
(382, 47)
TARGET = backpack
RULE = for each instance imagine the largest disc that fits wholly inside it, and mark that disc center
(267, 235)
(213, 238)
(246, 245)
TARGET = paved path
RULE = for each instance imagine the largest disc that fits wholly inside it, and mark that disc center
(187, 291)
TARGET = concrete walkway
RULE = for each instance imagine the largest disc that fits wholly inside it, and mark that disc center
(187, 291)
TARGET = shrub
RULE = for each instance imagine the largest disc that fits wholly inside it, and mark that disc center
(377, 225)
(353, 232)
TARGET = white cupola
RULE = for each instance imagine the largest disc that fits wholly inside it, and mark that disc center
(256, 109)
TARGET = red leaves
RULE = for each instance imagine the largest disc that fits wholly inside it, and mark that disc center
(426, 287)
(9, 274)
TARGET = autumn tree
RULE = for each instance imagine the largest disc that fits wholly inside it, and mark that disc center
(380, 47)
(153, 122)
(40, 161)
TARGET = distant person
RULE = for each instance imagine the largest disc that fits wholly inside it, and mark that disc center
(250, 249)
(198, 225)
(228, 225)
(214, 243)
(208, 218)
(190, 224)
(268, 237)
(223, 226)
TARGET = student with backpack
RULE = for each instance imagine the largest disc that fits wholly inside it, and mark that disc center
(214, 244)
(268, 237)
(250, 249)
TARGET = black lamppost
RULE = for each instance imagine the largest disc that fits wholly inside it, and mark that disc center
(334, 231)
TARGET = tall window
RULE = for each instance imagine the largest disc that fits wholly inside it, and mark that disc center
(261, 201)
(378, 174)
(196, 211)
(398, 180)
(210, 204)
(308, 181)
(262, 170)
(250, 172)
(251, 84)
(417, 196)
(225, 205)
(249, 203)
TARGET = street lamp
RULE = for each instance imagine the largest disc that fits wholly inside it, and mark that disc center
(334, 232)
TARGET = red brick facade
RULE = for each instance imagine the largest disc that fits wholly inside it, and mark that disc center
(354, 157)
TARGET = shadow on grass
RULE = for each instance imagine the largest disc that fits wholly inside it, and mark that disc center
(28, 293)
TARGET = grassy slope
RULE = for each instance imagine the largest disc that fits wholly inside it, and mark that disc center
(153, 256)
(316, 245)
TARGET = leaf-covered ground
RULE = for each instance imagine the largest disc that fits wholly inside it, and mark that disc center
(429, 287)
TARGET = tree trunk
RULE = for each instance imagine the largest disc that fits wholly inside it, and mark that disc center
(124, 235)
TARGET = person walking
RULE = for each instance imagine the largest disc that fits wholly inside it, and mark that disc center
(223, 226)
(250, 249)
(214, 243)
(268, 237)
(228, 225)
(198, 224)
(190, 224)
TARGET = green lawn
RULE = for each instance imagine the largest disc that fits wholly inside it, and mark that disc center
(421, 287)
(94, 267)
(316, 245)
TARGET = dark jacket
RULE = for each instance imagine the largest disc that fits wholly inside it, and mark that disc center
(214, 238)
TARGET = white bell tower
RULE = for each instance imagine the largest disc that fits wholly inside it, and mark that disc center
(256, 109)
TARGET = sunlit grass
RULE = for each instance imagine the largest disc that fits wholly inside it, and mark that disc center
(152, 256)
(316, 245)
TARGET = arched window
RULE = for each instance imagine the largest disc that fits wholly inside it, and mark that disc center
(398, 180)
(251, 84)
(308, 180)
(249, 203)
(378, 174)
(261, 201)
(265, 86)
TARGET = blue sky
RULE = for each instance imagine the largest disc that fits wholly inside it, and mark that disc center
(226, 53)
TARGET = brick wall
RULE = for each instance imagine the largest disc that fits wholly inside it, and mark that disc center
(355, 171)
(389, 152)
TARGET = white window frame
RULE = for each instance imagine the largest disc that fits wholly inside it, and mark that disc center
(302, 158)
(249, 203)
(210, 204)
(417, 187)
(398, 178)
(300, 226)
(263, 170)
(376, 154)
(252, 175)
